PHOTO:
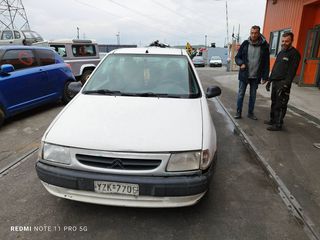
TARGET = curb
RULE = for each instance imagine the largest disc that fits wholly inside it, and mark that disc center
(292, 204)
(304, 114)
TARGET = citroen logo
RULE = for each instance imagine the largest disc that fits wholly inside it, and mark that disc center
(117, 164)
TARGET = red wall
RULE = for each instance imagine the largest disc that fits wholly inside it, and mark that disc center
(294, 14)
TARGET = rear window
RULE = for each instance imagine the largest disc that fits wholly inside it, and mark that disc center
(20, 59)
(46, 57)
(152, 74)
(83, 50)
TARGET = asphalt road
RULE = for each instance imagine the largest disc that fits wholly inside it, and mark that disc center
(241, 203)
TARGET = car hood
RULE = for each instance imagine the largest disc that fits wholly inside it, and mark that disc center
(139, 124)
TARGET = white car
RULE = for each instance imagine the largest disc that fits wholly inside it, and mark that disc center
(215, 61)
(19, 37)
(139, 134)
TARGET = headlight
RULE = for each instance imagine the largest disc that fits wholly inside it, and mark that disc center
(55, 153)
(185, 161)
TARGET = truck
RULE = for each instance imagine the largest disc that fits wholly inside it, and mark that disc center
(81, 55)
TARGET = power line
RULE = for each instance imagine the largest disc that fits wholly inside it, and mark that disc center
(118, 16)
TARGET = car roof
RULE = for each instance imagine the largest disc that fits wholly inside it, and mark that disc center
(11, 47)
(73, 41)
(150, 50)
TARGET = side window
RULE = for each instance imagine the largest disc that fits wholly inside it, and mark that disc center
(6, 34)
(274, 37)
(17, 35)
(46, 57)
(275, 41)
(60, 49)
(83, 50)
(20, 59)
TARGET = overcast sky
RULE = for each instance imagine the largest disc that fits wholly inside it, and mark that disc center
(143, 21)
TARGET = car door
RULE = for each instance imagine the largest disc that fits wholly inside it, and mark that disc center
(54, 82)
(25, 86)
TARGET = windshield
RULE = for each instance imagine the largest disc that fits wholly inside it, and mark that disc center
(144, 75)
(215, 58)
(32, 35)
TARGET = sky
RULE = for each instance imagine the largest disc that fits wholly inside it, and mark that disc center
(142, 21)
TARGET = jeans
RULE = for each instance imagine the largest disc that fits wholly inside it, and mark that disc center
(253, 92)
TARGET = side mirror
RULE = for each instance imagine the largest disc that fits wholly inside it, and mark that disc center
(74, 88)
(213, 91)
(6, 69)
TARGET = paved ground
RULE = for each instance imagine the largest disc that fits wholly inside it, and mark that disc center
(290, 153)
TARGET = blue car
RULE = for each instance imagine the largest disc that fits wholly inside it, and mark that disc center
(30, 77)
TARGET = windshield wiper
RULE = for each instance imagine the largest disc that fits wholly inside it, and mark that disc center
(151, 94)
(102, 92)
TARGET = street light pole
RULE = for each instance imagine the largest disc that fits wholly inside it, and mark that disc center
(205, 41)
(78, 32)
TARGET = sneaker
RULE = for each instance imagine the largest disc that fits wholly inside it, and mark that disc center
(268, 122)
(238, 115)
(274, 128)
(252, 116)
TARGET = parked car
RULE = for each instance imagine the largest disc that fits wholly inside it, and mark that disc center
(215, 61)
(82, 55)
(198, 61)
(143, 136)
(30, 77)
(19, 37)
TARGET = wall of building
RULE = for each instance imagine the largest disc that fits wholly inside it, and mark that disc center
(298, 15)
(105, 48)
(281, 15)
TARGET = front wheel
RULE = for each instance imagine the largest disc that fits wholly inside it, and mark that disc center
(1, 117)
(67, 95)
(85, 76)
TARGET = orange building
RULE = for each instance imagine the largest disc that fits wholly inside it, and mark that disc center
(302, 17)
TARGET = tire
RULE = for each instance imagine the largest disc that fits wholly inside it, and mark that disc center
(85, 76)
(67, 96)
(2, 116)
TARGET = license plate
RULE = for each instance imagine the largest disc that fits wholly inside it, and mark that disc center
(115, 187)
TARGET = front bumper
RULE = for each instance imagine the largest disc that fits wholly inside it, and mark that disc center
(215, 64)
(154, 191)
(199, 64)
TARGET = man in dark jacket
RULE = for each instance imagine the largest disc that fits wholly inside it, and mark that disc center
(254, 61)
(283, 72)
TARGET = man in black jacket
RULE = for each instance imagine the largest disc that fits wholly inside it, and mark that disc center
(254, 61)
(283, 72)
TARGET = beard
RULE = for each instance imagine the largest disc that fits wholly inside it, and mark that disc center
(285, 46)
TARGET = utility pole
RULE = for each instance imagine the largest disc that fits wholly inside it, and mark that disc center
(78, 30)
(118, 38)
(227, 22)
(205, 41)
(13, 15)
